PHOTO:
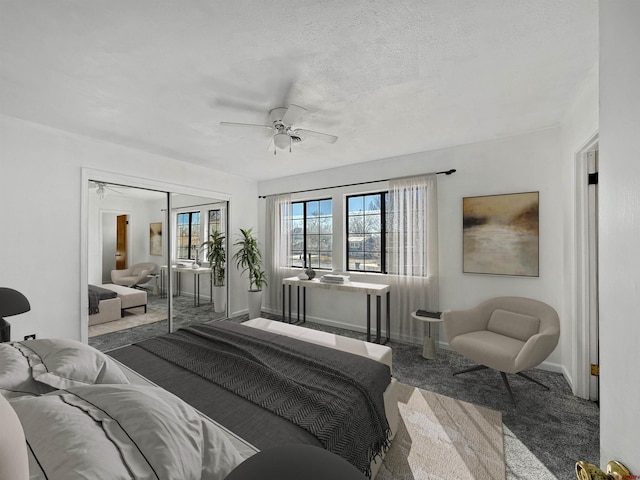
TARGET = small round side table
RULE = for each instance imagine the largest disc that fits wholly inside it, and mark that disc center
(429, 348)
(295, 461)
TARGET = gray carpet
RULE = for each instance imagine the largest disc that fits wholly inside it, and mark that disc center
(184, 313)
(545, 434)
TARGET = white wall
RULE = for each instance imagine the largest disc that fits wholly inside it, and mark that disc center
(40, 218)
(522, 163)
(620, 232)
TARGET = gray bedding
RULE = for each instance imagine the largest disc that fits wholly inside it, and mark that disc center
(333, 398)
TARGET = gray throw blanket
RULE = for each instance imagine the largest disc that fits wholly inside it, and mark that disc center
(95, 295)
(336, 396)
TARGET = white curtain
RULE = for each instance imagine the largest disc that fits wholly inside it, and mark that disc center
(412, 251)
(277, 247)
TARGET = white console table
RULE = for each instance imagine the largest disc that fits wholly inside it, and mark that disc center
(196, 272)
(356, 287)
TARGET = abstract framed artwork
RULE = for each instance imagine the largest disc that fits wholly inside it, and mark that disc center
(155, 238)
(501, 234)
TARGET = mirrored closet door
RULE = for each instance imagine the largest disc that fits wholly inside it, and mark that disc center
(156, 262)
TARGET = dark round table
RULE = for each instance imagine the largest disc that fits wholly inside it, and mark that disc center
(293, 462)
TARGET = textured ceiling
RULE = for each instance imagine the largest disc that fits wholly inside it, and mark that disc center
(388, 78)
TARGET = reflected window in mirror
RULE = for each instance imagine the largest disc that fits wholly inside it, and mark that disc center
(188, 235)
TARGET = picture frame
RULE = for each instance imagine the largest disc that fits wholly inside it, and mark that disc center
(501, 234)
(155, 238)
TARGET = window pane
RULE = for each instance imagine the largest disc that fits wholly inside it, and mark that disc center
(356, 224)
(372, 223)
(372, 203)
(313, 225)
(297, 209)
(326, 242)
(297, 226)
(326, 225)
(297, 242)
(195, 233)
(312, 243)
(297, 258)
(313, 209)
(325, 208)
(355, 204)
(372, 264)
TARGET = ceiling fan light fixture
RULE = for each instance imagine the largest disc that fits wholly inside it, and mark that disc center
(281, 140)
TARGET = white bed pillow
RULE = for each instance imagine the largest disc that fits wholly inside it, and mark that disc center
(64, 363)
(15, 374)
(121, 431)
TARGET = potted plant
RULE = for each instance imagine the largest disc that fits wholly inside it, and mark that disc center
(217, 258)
(247, 256)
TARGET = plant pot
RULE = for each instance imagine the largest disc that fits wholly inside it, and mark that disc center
(219, 299)
(255, 303)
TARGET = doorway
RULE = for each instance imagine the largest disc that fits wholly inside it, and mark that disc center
(587, 307)
(114, 235)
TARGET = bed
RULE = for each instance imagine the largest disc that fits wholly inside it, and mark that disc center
(229, 420)
(68, 411)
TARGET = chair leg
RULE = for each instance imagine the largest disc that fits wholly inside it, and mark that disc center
(472, 369)
(506, 382)
(533, 380)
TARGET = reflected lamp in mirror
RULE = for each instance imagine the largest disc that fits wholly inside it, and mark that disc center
(12, 302)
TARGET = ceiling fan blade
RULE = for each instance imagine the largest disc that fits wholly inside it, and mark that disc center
(233, 124)
(325, 137)
(294, 112)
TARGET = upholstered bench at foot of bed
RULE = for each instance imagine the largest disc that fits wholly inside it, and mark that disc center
(129, 297)
(374, 351)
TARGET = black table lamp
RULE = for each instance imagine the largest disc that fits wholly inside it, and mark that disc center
(12, 302)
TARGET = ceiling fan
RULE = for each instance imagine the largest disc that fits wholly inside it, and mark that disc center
(282, 126)
(102, 188)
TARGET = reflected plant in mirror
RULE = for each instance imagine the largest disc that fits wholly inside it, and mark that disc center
(216, 256)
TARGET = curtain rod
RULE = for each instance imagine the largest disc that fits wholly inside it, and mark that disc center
(444, 172)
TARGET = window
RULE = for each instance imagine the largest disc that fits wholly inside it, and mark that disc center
(366, 232)
(188, 235)
(215, 221)
(311, 233)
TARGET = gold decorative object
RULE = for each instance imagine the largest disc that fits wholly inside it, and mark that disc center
(615, 471)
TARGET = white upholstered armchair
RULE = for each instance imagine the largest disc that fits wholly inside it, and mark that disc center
(508, 334)
(137, 274)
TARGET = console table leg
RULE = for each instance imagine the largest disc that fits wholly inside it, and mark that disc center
(304, 304)
(388, 316)
(378, 319)
(368, 317)
(289, 303)
(298, 302)
(283, 298)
